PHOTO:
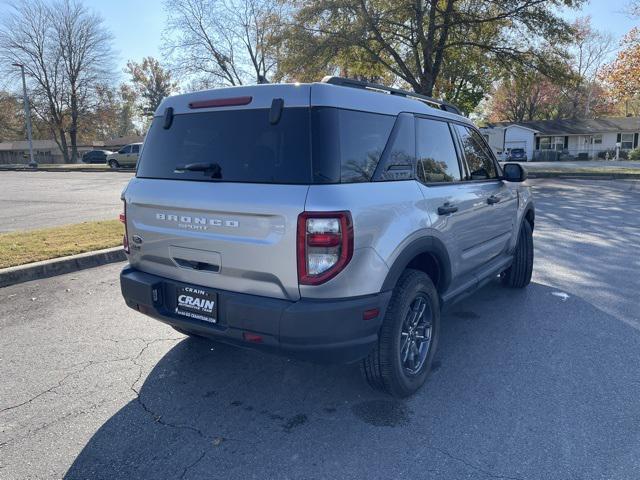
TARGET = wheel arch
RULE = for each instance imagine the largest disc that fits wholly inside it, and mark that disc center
(427, 254)
(530, 216)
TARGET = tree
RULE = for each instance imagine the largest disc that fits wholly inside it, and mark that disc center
(27, 37)
(113, 115)
(523, 96)
(151, 82)
(587, 53)
(623, 74)
(11, 118)
(223, 42)
(66, 52)
(412, 39)
(84, 46)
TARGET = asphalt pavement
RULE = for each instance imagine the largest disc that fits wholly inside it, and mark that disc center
(33, 200)
(541, 383)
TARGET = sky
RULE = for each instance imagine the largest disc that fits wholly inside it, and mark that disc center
(137, 25)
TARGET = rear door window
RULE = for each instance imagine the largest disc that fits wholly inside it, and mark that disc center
(437, 160)
(242, 143)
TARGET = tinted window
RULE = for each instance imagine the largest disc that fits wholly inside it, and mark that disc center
(398, 159)
(479, 161)
(245, 146)
(435, 152)
(126, 149)
(135, 148)
(363, 137)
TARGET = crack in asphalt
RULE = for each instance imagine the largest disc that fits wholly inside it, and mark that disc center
(189, 467)
(472, 466)
(84, 366)
(156, 417)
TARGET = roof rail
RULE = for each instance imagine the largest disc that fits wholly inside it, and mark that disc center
(350, 82)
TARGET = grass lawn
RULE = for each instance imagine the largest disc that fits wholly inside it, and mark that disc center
(17, 248)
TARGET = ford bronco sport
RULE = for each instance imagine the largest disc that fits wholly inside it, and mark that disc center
(328, 221)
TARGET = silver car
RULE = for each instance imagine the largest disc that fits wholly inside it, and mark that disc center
(127, 156)
(328, 221)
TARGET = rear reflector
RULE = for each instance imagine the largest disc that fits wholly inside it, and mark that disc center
(221, 102)
(252, 337)
(370, 314)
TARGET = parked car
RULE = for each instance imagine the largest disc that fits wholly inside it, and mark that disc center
(127, 156)
(325, 221)
(96, 156)
(517, 155)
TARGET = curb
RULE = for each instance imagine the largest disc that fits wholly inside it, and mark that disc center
(59, 266)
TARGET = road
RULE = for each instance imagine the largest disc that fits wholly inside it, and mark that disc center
(533, 166)
(535, 384)
(46, 199)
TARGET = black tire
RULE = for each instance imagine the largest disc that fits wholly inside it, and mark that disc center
(518, 275)
(384, 368)
(114, 164)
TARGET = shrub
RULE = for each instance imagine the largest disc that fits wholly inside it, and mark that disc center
(634, 154)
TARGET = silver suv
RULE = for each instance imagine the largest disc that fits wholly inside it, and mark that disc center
(328, 221)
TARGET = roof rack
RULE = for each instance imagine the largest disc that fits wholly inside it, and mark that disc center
(349, 82)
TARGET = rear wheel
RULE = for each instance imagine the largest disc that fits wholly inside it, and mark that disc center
(114, 164)
(401, 361)
(518, 275)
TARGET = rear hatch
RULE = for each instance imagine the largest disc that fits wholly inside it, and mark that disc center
(220, 184)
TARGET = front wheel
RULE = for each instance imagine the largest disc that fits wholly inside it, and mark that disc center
(518, 275)
(401, 361)
(114, 164)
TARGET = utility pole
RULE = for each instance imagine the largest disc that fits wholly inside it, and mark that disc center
(27, 115)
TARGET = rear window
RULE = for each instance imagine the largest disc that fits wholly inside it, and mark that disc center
(324, 145)
(243, 143)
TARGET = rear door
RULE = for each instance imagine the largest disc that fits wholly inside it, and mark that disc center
(230, 225)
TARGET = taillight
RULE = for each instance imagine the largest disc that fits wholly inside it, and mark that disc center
(325, 245)
(125, 238)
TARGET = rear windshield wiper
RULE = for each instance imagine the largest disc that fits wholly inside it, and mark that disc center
(214, 168)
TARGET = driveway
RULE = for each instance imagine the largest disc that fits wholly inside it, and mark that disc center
(541, 383)
(47, 199)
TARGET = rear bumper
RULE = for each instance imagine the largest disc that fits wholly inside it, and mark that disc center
(318, 330)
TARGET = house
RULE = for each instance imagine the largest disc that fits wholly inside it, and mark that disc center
(570, 139)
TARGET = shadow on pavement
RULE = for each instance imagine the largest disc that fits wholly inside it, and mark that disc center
(525, 384)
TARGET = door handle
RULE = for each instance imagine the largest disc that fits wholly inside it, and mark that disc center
(446, 209)
(493, 199)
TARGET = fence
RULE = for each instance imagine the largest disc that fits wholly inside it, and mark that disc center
(572, 155)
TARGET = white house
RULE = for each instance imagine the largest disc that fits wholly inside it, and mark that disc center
(566, 139)
(503, 138)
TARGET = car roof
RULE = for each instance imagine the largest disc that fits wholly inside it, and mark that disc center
(303, 95)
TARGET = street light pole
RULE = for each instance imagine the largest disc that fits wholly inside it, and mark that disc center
(27, 114)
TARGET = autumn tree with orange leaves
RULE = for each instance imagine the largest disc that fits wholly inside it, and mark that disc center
(623, 74)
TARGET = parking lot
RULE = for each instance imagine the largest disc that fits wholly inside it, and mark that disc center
(48, 199)
(541, 383)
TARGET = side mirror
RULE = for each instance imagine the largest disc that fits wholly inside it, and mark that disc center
(514, 172)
